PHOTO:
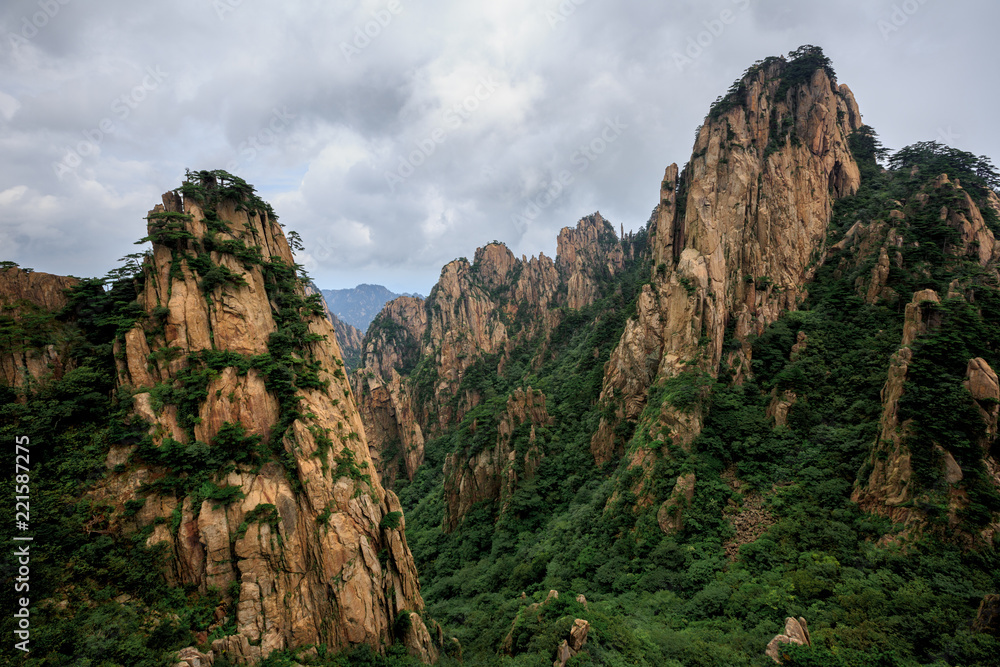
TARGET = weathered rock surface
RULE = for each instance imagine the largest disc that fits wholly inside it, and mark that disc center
(796, 632)
(988, 616)
(735, 238)
(888, 487)
(572, 646)
(30, 298)
(480, 309)
(494, 472)
(308, 547)
(582, 256)
(669, 516)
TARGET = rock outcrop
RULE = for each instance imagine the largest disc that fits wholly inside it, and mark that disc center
(572, 646)
(988, 616)
(421, 359)
(234, 362)
(889, 239)
(583, 257)
(735, 238)
(28, 303)
(494, 472)
(796, 632)
(887, 485)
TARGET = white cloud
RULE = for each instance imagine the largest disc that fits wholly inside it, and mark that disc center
(355, 119)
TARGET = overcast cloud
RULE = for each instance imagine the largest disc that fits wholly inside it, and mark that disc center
(396, 135)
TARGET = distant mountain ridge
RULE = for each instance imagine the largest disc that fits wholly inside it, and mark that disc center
(359, 305)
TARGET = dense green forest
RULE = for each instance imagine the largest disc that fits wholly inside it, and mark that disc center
(690, 598)
(682, 599)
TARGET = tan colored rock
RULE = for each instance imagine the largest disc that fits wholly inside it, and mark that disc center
(779, 406)
(752, 231)
(585, 252)
(419, 643)
(469, 314)
(796, 632)
(888, 489)
(572, 646)
(192, 657)
(22, 293)
(982, 383)
(492, 474)
(879, 277)
(303, 544)
(669, 516)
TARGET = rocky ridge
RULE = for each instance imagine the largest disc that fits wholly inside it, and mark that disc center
(493, 472)
(735, 239)
(234, 361)
(888, 485)
(421, 358)
(28, 303)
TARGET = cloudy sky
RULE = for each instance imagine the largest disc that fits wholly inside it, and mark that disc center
(396, 135)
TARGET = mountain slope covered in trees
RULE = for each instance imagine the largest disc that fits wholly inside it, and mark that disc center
(728, 435)
(777, 399)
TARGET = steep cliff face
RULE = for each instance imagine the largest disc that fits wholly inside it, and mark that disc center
(255, 470)
(494, 472)
(348, 336)
(735, 238)
(388, 410)
(915, 480)
(28, 303)
(349, 339)
(422, 358)
(585, 254)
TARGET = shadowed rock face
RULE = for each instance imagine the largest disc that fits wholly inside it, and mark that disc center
(494, 472)
(890, 488)
(25, 295)
(315, 548)
(483, 308)
(735, 238)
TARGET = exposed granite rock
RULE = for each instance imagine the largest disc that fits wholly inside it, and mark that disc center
(583, 253)
(734, 240)
(779, 406)
(481, 309)
(572, 646)
(192, 657)
(796, 632)
(670, 516)
(387, 403)
(302, 544)
(988, 616)
(28, 297)
(493, 473)
(888, 487)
